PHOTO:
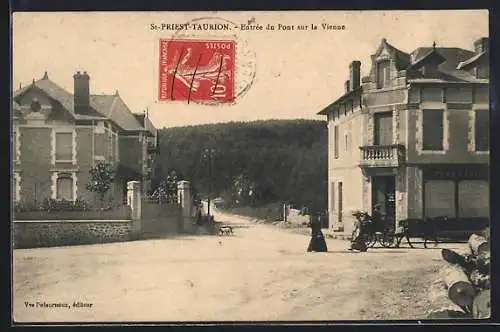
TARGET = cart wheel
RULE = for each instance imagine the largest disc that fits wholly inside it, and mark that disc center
(388, 240)
(370, 240)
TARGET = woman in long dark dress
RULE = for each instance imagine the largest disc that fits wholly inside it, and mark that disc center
(317, 242)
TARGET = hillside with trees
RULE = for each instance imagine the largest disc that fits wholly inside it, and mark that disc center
(252, 163)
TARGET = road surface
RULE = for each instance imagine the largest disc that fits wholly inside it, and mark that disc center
(261, 273)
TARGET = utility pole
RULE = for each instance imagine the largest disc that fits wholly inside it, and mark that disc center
(208, 155)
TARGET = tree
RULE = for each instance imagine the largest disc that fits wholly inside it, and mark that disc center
(101, 179)
(167, 189)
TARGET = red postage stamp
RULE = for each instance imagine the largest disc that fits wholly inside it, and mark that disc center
(197, 70)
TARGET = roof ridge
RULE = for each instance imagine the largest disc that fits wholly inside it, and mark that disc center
(112, 107)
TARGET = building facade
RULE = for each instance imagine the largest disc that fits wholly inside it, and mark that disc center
(58, 136)
(412, 136)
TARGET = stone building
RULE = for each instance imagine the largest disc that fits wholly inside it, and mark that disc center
(58, 136)
(412, 136)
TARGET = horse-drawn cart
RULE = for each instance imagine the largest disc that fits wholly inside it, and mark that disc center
(371, 232)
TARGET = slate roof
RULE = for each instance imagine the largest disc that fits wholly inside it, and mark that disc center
(146, 123)
(463, 64)
(402, 58)
(345, 96)
(111, 107)
(448, 71)
(451, 61)
(115, 109)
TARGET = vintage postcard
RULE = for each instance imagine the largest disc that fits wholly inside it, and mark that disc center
(250, 166)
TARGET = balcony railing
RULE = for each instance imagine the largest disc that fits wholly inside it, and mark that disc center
(382, 155)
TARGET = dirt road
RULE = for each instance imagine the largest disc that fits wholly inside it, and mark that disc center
(259, 273)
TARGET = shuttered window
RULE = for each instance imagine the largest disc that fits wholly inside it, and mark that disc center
(340, 202)
(64, 146)
(110, 151)
(114, 148)
(473, 199)
(433, 130)
(482, 130)
(383, 128)
(64, 187)
(336, 141)
(332, 197)
(383, 74)
(440, 198)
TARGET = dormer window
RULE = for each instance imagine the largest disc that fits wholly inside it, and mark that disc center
(35, 105)
(383, 74)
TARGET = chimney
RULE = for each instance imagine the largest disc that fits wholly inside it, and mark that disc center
(347, 86)
(81, 92)
(354, 75)
(481, 45)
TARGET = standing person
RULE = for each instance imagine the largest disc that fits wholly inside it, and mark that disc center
(317, 242)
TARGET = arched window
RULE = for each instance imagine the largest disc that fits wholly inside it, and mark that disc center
(64, 187)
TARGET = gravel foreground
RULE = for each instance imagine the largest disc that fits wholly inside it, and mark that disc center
(261, 273)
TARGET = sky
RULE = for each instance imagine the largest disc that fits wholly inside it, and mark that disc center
(297, 73)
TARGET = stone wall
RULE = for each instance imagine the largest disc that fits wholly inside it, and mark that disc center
(34, 234)
(141, 219)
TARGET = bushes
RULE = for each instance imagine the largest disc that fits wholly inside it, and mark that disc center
(64, 205)
(53, 205)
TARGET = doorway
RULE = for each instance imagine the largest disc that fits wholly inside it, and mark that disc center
(384, 193)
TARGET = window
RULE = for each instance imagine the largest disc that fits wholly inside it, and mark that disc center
(482, 130)
(383, 74)
(336, 141)
(340, 201)
(332, 198)
(111, 153)
(473, 199)
(115, 146)
(440, 198)
(382, 131)
(64, 187)
(64, 147)
(433, 130)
